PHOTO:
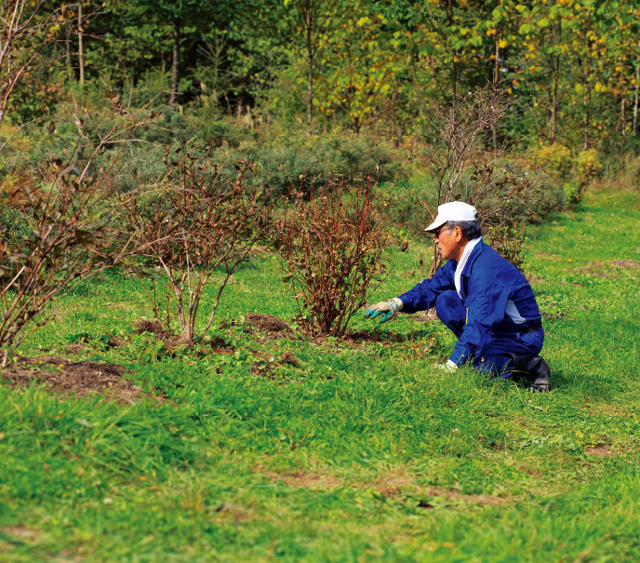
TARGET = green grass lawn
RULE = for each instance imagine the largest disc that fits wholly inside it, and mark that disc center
(357, 450)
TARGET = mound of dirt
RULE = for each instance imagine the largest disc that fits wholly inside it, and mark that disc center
(372, 335)
(171, 341)
(154, 327)
(74, 379)
(268, 323)
(425, 316)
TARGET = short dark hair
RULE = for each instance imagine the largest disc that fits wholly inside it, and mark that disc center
(470, 229)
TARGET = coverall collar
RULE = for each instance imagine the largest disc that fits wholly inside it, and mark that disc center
(468, 249)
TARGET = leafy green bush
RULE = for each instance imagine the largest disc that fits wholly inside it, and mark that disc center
(308, 163)
(588, 166)
(554, 159)
(572, 191)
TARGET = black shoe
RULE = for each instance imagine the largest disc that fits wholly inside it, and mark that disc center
(540, 374)
(536, 371)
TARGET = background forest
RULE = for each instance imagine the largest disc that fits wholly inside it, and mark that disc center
(247, 74)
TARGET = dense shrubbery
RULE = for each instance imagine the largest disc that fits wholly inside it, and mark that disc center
(555, 160)
(588, 166)
(310, 162)
(520, 194)
(280, 162)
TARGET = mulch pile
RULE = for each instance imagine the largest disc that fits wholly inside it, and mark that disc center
(74, 378)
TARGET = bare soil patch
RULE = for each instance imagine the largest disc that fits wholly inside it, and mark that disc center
(486, 500)
(311, 480)
(19, 532)
(403, 484)
(289, 359)
(235, 513)
(609, 268)
(170, 340)
(74, 379)
(267, 365)
(371, 336)
(392, 485)
(426, 316)
(600, 450)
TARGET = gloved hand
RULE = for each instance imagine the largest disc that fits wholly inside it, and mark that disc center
(390, 310)
(449, 366)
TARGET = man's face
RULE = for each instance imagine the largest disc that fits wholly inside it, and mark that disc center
(448, 241)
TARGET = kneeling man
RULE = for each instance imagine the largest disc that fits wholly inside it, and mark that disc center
(484, 299)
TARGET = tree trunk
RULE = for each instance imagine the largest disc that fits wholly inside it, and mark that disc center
(623, 116)
(496, 81)
(586, 111)
(454, 66)
(556, 79)
(586, 118)
(80, 44)
(174, 64)
(309, 43)
(635, 101)
(67, 46)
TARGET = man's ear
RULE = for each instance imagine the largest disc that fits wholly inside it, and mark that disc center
(457, 233)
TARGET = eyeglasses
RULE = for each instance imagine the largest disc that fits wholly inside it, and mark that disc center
(437, 232)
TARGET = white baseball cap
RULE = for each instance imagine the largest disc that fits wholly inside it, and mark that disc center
(453, 211)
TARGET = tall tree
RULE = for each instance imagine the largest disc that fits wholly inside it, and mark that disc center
(26, 27)
(312, 19)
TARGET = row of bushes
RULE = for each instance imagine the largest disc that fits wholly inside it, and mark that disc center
(57, 181)
(282, 162)
(197, 227)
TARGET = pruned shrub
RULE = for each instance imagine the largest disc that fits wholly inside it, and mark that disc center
(59, 227)
(331, 247)
(193, 223)
(58, 235)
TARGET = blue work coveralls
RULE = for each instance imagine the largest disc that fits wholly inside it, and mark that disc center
(495, 314)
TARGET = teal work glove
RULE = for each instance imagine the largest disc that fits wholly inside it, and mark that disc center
(390, 310)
